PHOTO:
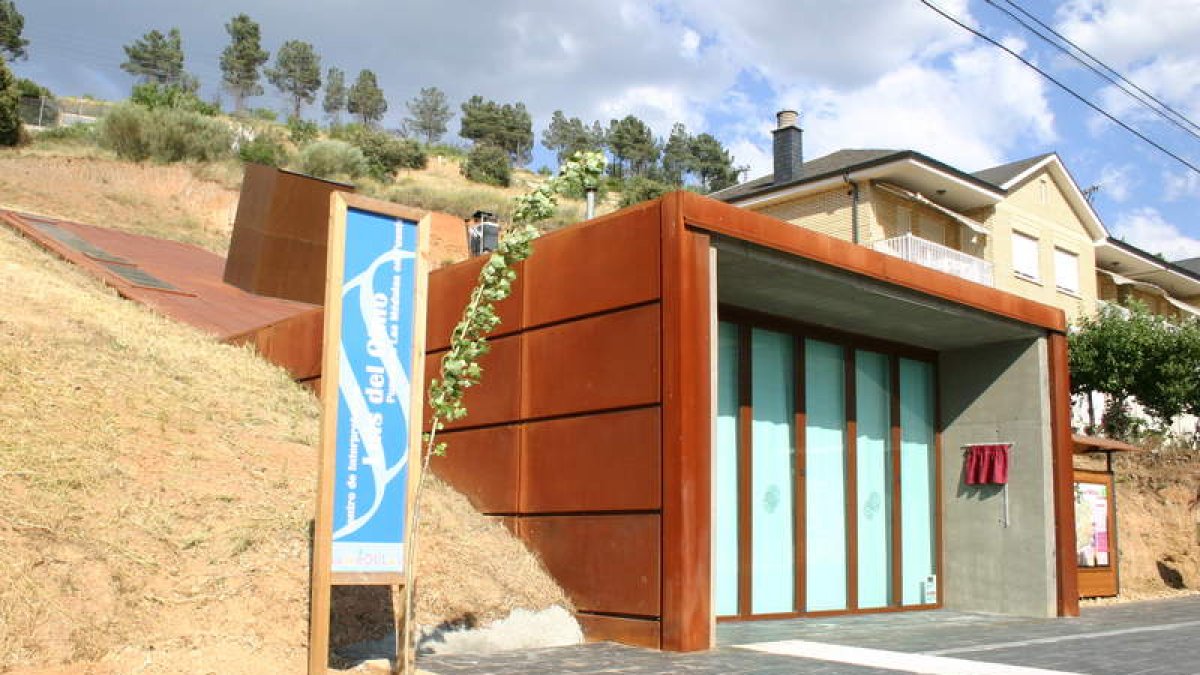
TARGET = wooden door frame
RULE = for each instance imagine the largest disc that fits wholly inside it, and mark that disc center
(1087, 575)
(746, 320)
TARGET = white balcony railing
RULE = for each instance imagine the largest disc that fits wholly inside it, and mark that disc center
(935, 256)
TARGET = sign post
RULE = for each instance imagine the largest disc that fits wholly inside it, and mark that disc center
(371, 404)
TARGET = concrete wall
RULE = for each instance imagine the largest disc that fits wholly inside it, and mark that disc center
(998, 393)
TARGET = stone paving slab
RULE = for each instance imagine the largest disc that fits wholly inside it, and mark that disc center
(1146, 638)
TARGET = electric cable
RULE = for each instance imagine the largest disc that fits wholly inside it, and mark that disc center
(1108, 78)
(1074, 94)
(1105, 66)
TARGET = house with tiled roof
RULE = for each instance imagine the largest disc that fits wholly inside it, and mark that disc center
(1024, 227)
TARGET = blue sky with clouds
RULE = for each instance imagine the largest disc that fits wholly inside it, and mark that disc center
(878, 73)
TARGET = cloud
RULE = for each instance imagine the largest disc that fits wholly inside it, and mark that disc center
(849, 43)
(1151, 42)
(1177, 186)
(1117, 182)
(1147, 229)
(969, 109)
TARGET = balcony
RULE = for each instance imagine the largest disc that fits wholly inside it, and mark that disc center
(935, 256)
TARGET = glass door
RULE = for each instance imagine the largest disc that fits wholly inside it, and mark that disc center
(825, 476)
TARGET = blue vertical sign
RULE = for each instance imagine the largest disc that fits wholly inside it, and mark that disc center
(374, 393)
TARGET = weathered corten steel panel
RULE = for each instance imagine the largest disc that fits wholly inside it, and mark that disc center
(293, 343)
(279, 235)
(1062, 466)
(601, 265)
(636, 632)
(449, 290)
(606, 462)
(606, 563)
(597, 363)
(687, 616)
(497, 399)
(483, 465)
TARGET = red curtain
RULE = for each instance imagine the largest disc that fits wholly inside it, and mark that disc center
(987, 464)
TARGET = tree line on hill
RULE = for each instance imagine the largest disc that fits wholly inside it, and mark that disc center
(501, 134)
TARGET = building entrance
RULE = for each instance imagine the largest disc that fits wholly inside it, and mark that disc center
(825, 474)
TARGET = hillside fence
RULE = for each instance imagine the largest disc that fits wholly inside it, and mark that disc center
(47, 111)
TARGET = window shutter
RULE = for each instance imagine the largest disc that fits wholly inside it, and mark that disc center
(1066, 270)
(1025, 255)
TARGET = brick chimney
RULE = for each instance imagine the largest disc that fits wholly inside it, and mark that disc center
(789, 149)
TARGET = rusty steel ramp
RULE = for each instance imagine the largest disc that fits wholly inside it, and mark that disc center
(180, 281)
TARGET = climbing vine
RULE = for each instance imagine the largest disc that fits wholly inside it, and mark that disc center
(460, 369)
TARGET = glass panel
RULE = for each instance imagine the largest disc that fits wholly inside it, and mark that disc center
(825, 476)
(1091, 524)
(874, 479)
(726, 479)
(773, 481)
(917, 482)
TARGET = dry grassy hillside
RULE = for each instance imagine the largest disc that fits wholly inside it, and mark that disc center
(196, 203)
(156, 486)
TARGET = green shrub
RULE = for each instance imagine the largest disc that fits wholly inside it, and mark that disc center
(12, 132)
(489, 165)
(302, 131)
(81, 133)
(332, 159)
(638, 189)
(31, 89)
(264, 114)
(123, 130)
(174, 97)
(446, 150)
(386, 154)
(264, 148)
(165, 135)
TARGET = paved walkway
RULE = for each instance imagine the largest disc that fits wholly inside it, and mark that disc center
(1147, 638)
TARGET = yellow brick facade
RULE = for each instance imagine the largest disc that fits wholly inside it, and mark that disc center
(1037, 208)
(827, 212)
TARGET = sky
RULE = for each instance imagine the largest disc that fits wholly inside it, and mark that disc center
(862, 73)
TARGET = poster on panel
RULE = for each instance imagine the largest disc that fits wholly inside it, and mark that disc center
(377, 390)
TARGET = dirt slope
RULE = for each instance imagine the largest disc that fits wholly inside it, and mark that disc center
(163, 201)
(1157, 522)
(156, 491)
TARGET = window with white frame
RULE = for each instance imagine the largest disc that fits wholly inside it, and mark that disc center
(1025, 256)
(1066, 271)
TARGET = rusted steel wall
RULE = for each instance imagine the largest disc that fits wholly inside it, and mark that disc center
(564, 436)
(279, 235)
(293, 343)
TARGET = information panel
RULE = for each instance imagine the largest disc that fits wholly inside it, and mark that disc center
(374, 391)
(371, 401)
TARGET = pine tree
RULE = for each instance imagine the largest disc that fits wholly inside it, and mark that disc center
(335, 94)
(296, 74)
(155, 58)
(12, 23)
(712, 163)
(366, 98)
(633, 146)
(567, 136)
(677, 160)
(241, 60)
(428, 114)
(506, 126)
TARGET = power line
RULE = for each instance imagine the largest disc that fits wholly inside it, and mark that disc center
(1062, 86)
(1108, 78)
